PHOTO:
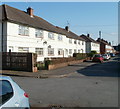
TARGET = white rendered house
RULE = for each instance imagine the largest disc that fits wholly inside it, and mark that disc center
(24, 32)
(91, 44)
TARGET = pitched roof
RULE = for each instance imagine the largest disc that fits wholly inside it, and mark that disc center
(15, 15)
(88, 38)
(70, 34)
(103, 41)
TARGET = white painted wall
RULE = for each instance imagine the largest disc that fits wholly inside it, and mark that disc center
(90, 46)
(95, 46)
(14, 40)
(109, 49)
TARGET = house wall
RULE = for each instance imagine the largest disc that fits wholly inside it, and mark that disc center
(95, 47)
(14, 40)
(90, 46)
(109, 49)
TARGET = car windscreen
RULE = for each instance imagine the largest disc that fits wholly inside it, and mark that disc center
(6, 91)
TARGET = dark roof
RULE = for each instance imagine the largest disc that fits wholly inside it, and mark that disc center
(14, 15)
(88, 38)
(103, 41)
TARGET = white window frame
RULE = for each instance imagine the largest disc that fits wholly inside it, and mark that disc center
(51, 35)
(70, 51)
(60, 51)
(60, 38)
(39, 51)
(70, 41)
(23, 30)
(75, 51)
(75, 41)
(23, 49)
(38, 33)
(50, 51)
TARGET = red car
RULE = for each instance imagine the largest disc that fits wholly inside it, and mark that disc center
(98, 58)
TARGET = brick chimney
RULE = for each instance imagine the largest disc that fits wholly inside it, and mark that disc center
(30, 11)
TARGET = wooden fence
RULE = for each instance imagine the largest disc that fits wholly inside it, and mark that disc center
(18, 61)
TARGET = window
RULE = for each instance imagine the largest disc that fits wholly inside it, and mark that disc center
(50, 35)
(70, 51)
(23, 49)
(82, 42)
(6, 91)
(38, 33)
(75, 41)
(78, 51)
(23, 30)
(70, 41)
(75, 51)
(60, 38)
(79, 42)
(39, 51)
(60, 52)
(50, 51)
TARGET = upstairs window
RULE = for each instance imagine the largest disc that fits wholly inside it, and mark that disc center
(79, 42)
(50, 35)
(70, 41)
(60, 38)
(23, 30)
(75, 41)
(38, 33)
(82, 42)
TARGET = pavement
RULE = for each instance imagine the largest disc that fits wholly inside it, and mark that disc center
(60, 72)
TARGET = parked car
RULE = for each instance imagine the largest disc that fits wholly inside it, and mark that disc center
(112, 54)
(11, 95)
(98, 58)
(106, 56)
(109, 55)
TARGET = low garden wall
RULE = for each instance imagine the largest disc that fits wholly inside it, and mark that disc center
(59, 65)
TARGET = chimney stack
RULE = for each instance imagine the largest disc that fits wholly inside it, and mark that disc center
(67, 28)
(88, 35)
(30, 11)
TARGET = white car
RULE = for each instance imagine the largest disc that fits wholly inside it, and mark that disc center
(106, 56)
(11, 95)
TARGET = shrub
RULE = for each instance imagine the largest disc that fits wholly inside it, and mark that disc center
(92, 53)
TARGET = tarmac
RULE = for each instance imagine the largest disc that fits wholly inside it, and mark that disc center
(60, 72)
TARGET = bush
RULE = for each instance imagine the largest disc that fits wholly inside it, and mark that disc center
(80, 55)
(92, 53)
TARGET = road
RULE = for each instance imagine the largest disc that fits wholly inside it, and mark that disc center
(91, 85)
